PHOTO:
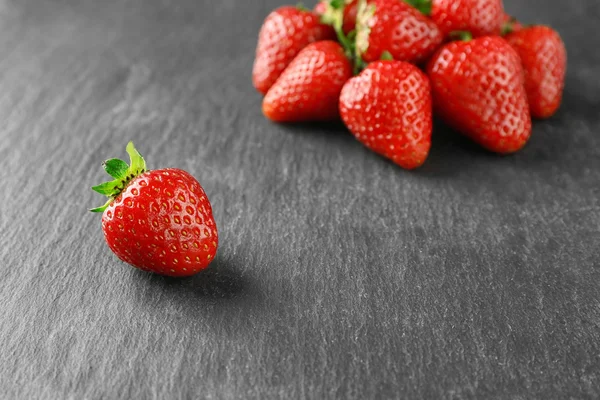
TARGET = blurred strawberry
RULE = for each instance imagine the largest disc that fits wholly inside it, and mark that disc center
(478, 89)
(309, 88)
(388, 109)
(510, 25)
(284, 33)
(395, 27)
(479, 17)
(321, 7)
(544, 59)
(324, 8)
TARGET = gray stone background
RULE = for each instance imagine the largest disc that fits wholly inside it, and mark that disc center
(339, 275)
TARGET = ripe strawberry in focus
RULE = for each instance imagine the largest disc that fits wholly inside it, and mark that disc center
(388, 109)
(544, 59)
(395, 27)
(478, 89)
(350, 11)
(479, 17)
(309, 89)
(284, 33)
(159, 221)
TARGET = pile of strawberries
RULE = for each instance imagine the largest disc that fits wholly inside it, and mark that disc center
(387, 66)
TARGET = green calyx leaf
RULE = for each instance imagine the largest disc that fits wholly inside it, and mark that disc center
(337, 4)
(464, 36)
(508, 26)
(424, 6)
(302, 7)
(138, 164)
(107, 188)
(101, 208)
(116, 168)
(387, 56)
(122, 174)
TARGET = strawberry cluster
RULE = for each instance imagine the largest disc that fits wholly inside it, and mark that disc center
(386, 67)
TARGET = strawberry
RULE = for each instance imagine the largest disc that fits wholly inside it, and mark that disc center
(309, 88)
(478, 89)
(323, 8)
(159, 221)
(284, 33)
(388, 108)
(510, 24)
(544, 59)
(350, 15)
(480, 17)
(395, 27)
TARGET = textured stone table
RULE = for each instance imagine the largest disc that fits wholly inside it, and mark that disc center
(339, 275)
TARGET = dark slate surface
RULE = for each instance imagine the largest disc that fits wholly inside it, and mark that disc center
(339, 275)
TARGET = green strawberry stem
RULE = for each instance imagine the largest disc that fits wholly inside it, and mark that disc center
(122, 174)
(422, 5)
(343, 39)
(464, 36)
(363, 30)
(334, 16)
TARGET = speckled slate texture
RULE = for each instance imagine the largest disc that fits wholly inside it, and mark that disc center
(339, 276)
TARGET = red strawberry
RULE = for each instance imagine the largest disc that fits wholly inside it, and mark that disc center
(388, 108)
(350, 11)
(510, 24)
(395, 27)
(478, 89)
(544, 58)
(480, 17)
(350, 15)
(309, 89)
(159, 221)
(284, 33)
(321, 7)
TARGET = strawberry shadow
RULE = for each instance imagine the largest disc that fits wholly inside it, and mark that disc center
(454, 154)
(221, 281)
(220, 302)
(451, 154)
(329, 128)
(577, 103)
(550, 160)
